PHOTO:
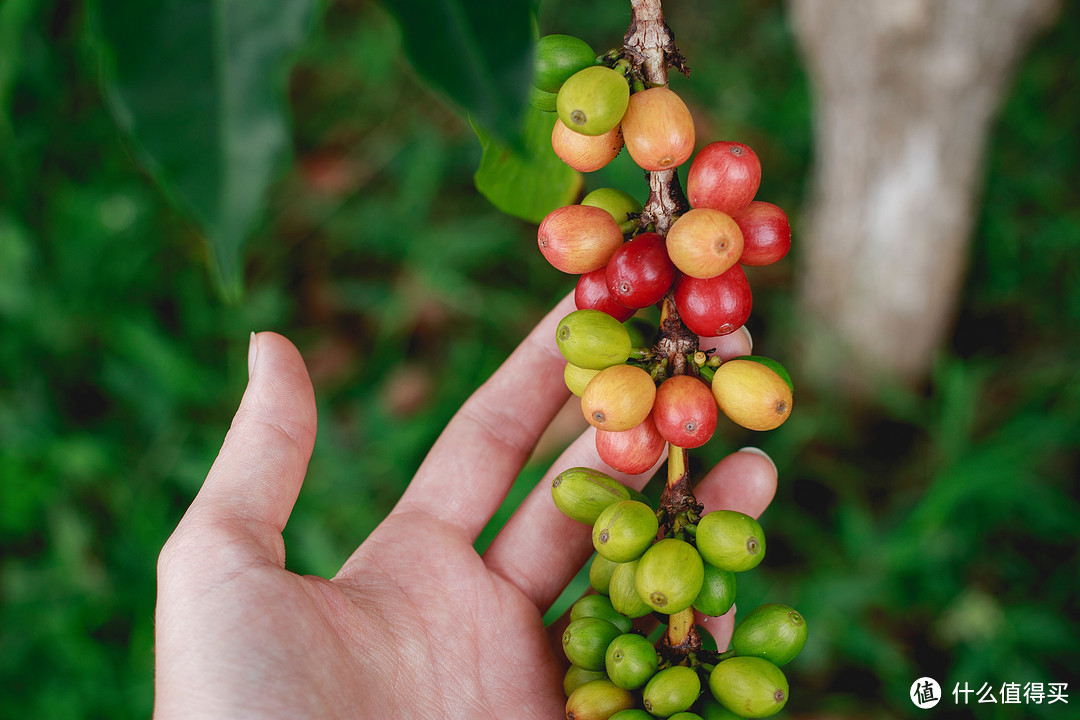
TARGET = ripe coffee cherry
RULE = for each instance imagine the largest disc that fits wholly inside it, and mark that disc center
(585, 153)
(635, 450)
(577, 378)
(624, 530)
(600, 606)
(585, 641)
(582, 493)
(639, 273)
(730, 540)
(714, 306)
(749, 686)
(752, 394)
(623, 591)
(593, 340)
(724, 176)
(598, 700)
(592, 101)
(618, 398)
(704, 243)
(557, 58)
(658, 129)
(685, 411)
(592, 292)
(620, 204)
(578, 238)
(717, 591)
(671, 690)
(766, 233)
(775, 632)
(669, 576)
(576, 676)
(630, 661)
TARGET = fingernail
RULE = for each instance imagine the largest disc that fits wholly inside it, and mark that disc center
(762, 453)
(749, 337)
(253, 353)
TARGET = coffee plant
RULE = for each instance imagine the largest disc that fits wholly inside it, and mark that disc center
(661, 390)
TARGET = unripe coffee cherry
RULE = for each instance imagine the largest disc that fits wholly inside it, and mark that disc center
(709, 708)
(686, 715)
(766, 233)
(544, 101)
(633, 714)
(724, 176)
(685, 411)
(592, 292)
(577, 378)
(618, 398)
(576, 676)
(669, 576)
(557, 58)
(717, 305)
(623, 591)
(752, 394)
(658, 129)
(671, 690)
(598, 700)
(583, 493)
(749, 686)
(600, 606)
(593, 101)
(639, 273)
(717, 591)
(624, 530)
(585, 641)
(730, 540)
(630, 661)
(775, 632)
(585, 153)
(600, 572)
(592, 339)
(635, 450)
(578, 239)
(620, 204)
(704, 243)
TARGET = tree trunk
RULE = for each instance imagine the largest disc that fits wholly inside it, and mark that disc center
(905, 92)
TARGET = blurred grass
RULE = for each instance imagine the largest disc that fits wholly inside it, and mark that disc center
(931, 532)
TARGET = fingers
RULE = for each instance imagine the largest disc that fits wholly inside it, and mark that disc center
(253, 484)
(743, 481)
(540, 549)
(474, 462)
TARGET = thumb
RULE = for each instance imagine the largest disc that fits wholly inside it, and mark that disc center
(253, 484)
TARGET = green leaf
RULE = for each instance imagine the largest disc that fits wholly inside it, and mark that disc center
(530, 182)
(199, 86)
(477, 54)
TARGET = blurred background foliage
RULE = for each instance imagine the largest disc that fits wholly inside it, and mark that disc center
(932, 531)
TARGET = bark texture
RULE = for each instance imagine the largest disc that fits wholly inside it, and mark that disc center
(905, 92)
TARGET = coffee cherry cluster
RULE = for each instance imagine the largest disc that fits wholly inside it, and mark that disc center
(615, 670)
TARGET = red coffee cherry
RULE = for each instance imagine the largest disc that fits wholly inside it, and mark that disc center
(685, 411)
(714, 306)
(592, 292)
(635, 450)
(766, 233)
(724, 176)
(578, 238)
(639, 272)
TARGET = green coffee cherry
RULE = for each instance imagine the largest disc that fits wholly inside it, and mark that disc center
(600, 606)
(769, 363)
(598, 700)
(630, 661)
(577, 378)
(749, 686)
(593, 340)
(775, 632)
(582, 493)
(632, 714)
(672, 690)
(557, 58)
(623, 591)
(730, 540)
(576, 676)
(669, 576)
(686, 716)
(717, 591)
(593, 101)
(620, 204)
(624, 530)
(600, 571)
(709, 708)
(585, 641)
(543, 101)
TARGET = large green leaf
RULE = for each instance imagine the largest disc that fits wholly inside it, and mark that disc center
(475, 53)
(527, 181)
(199, 85)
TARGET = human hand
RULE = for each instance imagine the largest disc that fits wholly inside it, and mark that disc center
(416, 624)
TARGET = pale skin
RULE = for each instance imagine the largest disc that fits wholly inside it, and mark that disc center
(416, 624)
